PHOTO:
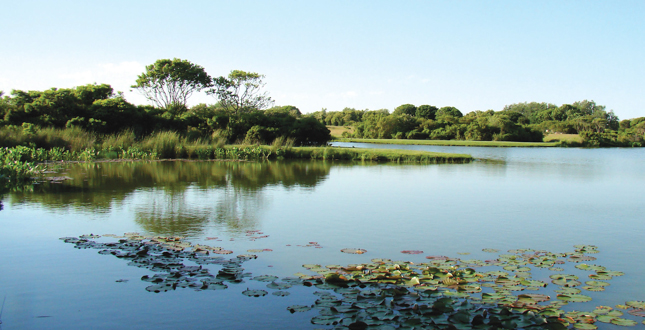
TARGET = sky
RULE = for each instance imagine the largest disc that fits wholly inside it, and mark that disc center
(474, 55)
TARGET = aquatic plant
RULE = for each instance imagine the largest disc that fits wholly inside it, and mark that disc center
(444, 293)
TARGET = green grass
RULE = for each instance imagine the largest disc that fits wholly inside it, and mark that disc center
(455, 143)
(337, 131)
(563, 137)
(379, 155)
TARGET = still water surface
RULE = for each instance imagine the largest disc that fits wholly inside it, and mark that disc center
(539, 198)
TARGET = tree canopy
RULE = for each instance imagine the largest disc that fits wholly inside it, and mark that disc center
(170, 83)
(241, 92)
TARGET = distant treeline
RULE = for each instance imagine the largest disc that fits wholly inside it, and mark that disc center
(526, 122)
(96, 108)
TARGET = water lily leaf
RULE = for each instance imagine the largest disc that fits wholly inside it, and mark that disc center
(533, 283)
(254, 293)
(579, 258)
(609, 273)
(604, 318)
(532, 298)
(281, 293)
(325, 319)
(437, 258)
(412, 252)
(568, 291)
(298, 308)
(497, 273)
(593, 288)
(265, 278)
(585, 326)
(161, 288)
(258, 250)
(556, 269)
(637, 312)
(600, 277)
(353, 251)
(490, 250)
(278, 286)
(636, 304)
(624, 322)
(574, 298)
(310, 266)
(597, 283)
(222, 251)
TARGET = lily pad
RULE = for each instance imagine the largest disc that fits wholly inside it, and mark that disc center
(298, 308)
(623, 322)
(574, 298)
(278, 286)
(254, 293)
(412, 252)
(265, 278)
(325, 320)
(353, 251)
(636, 304)
(593, 288)
(585, 326)
(637, 312)
(280, 293)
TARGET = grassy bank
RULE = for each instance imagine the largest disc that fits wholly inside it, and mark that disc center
(22, 150)
(337, 131)
(567, 138)
(454, 143)
(379, 155)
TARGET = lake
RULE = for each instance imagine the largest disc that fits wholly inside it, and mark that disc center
(292, 213)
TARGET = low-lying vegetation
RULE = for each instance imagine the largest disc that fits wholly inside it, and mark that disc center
(463, 143)
(590, 123)
(21, 151)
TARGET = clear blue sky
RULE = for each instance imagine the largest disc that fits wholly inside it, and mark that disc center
(475, 55)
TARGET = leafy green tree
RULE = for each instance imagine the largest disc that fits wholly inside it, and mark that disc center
(426, 111)
(241, 92)
(450, 111)
(530, 109)
(171, 82)
(289, 109)
(405, 109)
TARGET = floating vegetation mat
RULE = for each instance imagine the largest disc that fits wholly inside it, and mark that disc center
(442, 293)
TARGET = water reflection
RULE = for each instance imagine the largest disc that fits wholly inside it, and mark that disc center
(174, 197)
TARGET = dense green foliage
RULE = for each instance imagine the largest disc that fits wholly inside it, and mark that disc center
(97, 109)
(429, 122)
(20, 151)
(14, 170)
(521, 122)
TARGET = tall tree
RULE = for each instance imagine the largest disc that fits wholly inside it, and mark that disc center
(426, 111)
(241, 92)
(405, 109)
(450, 111)
(171, 82)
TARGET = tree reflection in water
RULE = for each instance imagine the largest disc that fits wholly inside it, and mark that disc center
(174, 197)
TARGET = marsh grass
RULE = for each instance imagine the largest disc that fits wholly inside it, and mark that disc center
(377, 155)
(72, 144)
(122, 140)
(73, 139)
(454, 143)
